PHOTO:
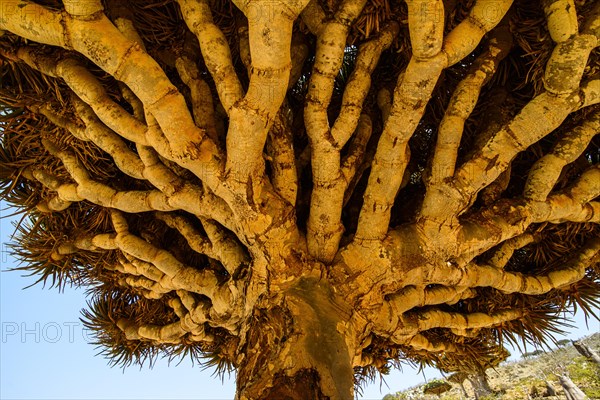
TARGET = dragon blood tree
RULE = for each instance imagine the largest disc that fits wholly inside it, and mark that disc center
(307, 191)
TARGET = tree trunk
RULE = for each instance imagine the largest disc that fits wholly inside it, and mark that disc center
(550, 391)
(572, 392)
(298, 350)
(481, 387)
(587, 352)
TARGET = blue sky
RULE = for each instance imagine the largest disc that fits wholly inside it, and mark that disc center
(44, 352)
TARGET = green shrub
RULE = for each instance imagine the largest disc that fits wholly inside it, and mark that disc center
(587, 376)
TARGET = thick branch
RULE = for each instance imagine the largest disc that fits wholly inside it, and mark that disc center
(270, 33)
(217, 246)
(202, 101)
(88, 89)
(215, 50)
(280, 149)
(463, 102)
(545, 172)
(324, 223)
(411, 95)
(184, 277)
(526, 128)
(510, 282)
(129, 201)
(124, 59)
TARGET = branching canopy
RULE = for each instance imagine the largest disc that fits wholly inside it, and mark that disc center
(410, 180)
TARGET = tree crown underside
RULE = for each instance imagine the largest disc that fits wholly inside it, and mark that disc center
(309, 192)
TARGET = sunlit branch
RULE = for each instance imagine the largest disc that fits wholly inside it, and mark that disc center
(88, 89)
(420, 342)
(96, 132)
(441, 319)
(463, 102)
(474, 275)
(202, 104)
(100, 41)
(324, 222)
(280, 149)
(183, 277)
(560, 99)
(411, 95)
(222, 249)
(104, 195)
(215, 50)
(508, 248)
(252, 116)
(185, 195)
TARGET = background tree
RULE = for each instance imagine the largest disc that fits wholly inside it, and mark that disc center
(587, 352)
(307, 192)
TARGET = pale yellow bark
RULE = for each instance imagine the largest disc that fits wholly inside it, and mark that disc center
(32, 21)
(420, 342)
(184, 195)
(171, 333)
(270, 35)
(150, 289)
(124, 59)
(463, 102)
(53, 204)
(545, 172)
(474, 275)
(182, 276)
(587, 186)
(280, 150)
(412, 92)
(565, 67)
(483, 17)
(393, 279)
(215, 50)
(90, 90)
(359, 83)
(561, 16)
(563, 74)
(409, 329)
(508, 248)
(104, 195)
(96, 132)
(426, 27)
(563, 208)
(217, 245)
(392, 156)
(477, 237)
(324, 228)
(419, 296)
(202, 101)
(83, 9)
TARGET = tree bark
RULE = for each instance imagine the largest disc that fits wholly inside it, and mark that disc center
(550, 391)
(572, 392)
(298, 349)
(587, 352)
(481, 387)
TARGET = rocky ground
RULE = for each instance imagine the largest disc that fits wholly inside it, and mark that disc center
(526, 378)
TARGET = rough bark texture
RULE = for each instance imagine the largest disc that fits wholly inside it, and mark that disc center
(481, 387)
(572, 392)
(307, 191)
(587, 352)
